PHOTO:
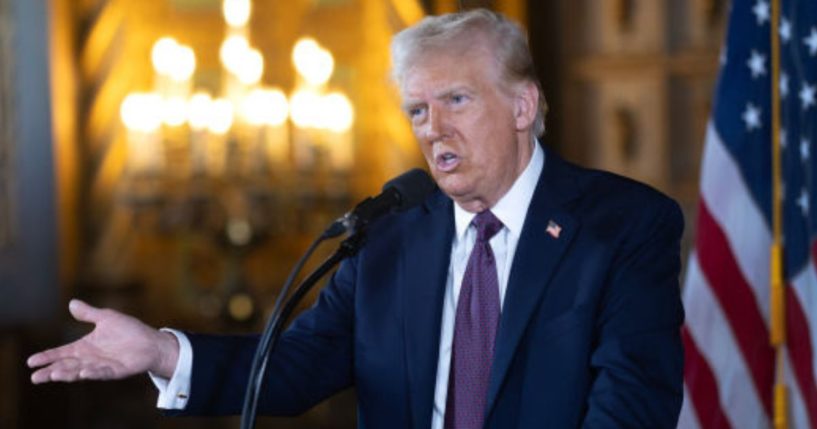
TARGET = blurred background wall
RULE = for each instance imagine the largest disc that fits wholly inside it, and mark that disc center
(172, 158)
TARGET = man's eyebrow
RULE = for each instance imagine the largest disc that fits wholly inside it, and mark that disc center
(449, 91)
(411, 105)
(445, 93)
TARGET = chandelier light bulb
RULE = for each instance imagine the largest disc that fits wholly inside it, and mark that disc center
(232, 52)
(221, 116)
(265, 107)
(170, 58)
(162, 55)
(251, 68)
(278, 107)
(184, 63)
(337, 112)
(141, 112)
(236, 12)
(174, 111)
(312, 61)
(198, 110)
(305, 109)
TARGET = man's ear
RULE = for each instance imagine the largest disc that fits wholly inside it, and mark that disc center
(526, 104)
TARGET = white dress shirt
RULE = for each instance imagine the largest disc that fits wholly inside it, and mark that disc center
(511, 210)
(173, 393)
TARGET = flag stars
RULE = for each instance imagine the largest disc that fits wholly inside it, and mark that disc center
(724, 55)
(751, 116)
(805, 149)
(783, 140)
(811, 42)
(803, 202)
(784, 30)
(807, 95)
(761, 11)
(784, 85)
(757, 64)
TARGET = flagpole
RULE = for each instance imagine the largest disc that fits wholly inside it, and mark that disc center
(777, 332)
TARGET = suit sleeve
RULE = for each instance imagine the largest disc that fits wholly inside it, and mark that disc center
(313, 359)
(638, 357)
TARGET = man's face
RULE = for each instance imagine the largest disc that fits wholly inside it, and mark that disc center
(473, 132)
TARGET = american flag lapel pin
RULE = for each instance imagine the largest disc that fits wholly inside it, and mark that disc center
(553, 229)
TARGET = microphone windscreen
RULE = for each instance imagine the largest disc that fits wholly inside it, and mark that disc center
(413, 186)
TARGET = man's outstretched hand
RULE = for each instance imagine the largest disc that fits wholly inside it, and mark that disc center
(119, 346)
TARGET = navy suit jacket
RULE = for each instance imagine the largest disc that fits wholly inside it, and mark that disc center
(589, 334)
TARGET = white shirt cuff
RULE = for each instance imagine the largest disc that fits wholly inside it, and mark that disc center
(174, 393)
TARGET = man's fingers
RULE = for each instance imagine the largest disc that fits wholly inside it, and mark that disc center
(65, 375)
(37, 359)
(84, 312)
(45, 357)
(41, 375)
(69, 370)
(57, 371)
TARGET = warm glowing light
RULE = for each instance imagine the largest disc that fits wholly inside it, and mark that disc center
(278, 108)
(236, 12)
(312, 62)
(232, 50)
(251, 67)
(198, 110)
(220, 117)
(172, 59)
(184, 64)
(337, 112)
(304, 107)
(174, 111)
(162, 55)
(265, 107)
(244, 62)
(141, 112)
(241, 306)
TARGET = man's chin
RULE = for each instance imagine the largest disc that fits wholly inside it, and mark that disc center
(452, 187)
(463, 195)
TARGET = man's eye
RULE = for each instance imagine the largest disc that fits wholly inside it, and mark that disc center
(415, 112)
(458, 98)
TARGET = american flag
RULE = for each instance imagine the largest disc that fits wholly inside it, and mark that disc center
(730, 367)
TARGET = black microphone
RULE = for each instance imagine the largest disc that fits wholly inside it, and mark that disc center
(401, 193)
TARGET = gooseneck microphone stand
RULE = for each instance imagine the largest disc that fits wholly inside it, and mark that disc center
(284, 307)
(400, 193)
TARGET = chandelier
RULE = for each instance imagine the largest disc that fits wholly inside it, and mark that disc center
(241, 162)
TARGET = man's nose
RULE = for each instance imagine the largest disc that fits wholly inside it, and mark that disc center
(436, 124)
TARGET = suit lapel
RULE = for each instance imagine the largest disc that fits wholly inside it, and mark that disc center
(538, 253)
(424, 269)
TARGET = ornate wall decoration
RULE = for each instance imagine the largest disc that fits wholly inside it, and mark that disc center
(6, 123)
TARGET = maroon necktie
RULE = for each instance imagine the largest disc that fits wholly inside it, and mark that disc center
(475, 328)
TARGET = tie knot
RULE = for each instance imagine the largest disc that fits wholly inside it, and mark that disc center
(487, 225)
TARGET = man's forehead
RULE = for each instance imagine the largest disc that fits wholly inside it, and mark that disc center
(438, 75)
(422, 85)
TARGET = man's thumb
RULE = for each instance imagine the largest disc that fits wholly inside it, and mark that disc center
(83, 312)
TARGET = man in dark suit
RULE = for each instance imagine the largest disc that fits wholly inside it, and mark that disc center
(527, 292)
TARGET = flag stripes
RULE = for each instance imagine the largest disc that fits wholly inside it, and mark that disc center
(731, 367)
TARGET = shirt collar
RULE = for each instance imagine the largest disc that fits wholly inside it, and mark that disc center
(512, 208)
